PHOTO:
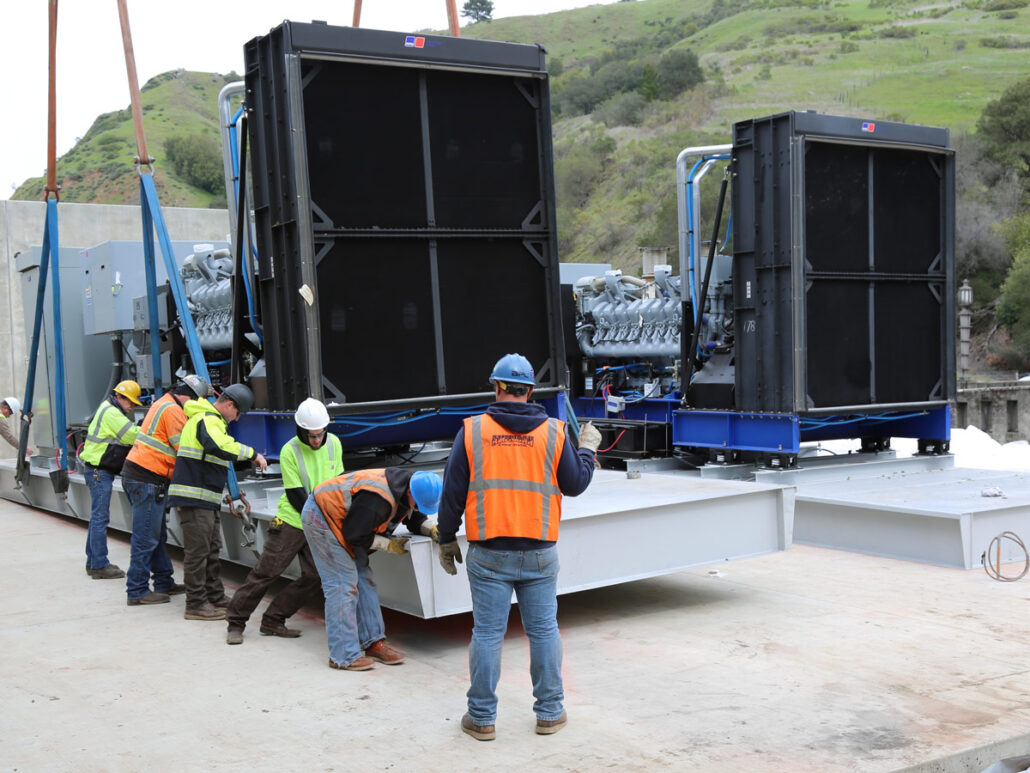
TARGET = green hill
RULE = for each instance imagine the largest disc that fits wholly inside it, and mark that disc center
(619, 116)
(931, 63)
(99, 169)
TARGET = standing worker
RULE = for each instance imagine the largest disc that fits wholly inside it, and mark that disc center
(108, 440)
(507, 471)
(344, 519)
(10, 407)
(206, 450)
(313, 456)
(145, 477)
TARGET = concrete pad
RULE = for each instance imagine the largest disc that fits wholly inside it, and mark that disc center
(805, 660)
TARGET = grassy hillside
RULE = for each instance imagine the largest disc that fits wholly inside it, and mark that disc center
(931, 63)
(920, 61)
(99, 168)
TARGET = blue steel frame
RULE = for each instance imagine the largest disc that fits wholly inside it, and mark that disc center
(784, 432)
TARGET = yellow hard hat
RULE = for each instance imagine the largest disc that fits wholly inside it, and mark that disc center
(129, 390)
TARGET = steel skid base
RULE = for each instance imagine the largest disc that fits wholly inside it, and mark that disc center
(920, 508)
(622, 529)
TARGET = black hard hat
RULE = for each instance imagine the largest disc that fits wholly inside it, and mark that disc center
(241, 395)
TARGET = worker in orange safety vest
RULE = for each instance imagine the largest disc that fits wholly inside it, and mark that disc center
(507, 472)
(145, 477)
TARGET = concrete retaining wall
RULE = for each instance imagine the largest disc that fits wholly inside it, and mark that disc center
(82, 226)
(1001, 410)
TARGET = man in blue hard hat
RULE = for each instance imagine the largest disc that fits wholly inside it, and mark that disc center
(346, 518)
(507, 472)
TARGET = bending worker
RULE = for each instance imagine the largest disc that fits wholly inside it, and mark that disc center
(108, 440)
(344, 519)
(10, 407)
(206, 450)
(507, 471)
(145, 477)
(310, 458)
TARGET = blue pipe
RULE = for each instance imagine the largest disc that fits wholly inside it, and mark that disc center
(234, 150)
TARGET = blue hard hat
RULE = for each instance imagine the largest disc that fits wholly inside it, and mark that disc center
(514, 369)
(426, 488)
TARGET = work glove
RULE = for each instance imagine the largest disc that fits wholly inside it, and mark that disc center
(589, 437)
(449, 553)
(429, 529)
(396, 545)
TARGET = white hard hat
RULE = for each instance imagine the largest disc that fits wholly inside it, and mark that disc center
(311, 414)
(14, 404)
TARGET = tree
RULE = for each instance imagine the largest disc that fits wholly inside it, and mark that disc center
(679, 70)
(649, 83)
(478, 10)
(1004, 127)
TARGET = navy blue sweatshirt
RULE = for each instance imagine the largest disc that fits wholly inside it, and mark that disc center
(575, 471)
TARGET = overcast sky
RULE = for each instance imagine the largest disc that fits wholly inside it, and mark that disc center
(201, 35)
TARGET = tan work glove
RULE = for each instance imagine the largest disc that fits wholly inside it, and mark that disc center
(429, 529)
(396, 545)
(449, 553)
(589, 437)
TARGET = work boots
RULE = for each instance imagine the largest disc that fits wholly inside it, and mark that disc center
(361, 664)
(205, 611)
(234, 636)
(109, 572)
(150, 598)
(384, 653)
(479, 732)
(549, 726)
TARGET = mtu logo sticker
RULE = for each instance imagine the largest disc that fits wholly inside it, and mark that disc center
(412, 41)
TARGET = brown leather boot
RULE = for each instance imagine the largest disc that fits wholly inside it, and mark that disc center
(479, 732)
(361, 664)
(384, 653)
(549, 726)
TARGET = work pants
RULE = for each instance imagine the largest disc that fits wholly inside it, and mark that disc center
(100, 483)
(353, 618)
(280, 548)
(533, 576)
(149, 556)
(201, 542)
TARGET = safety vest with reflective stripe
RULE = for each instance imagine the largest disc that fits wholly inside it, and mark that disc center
(206, 450)
(305, 467)
(334, 499)
(513, 480)
(109, 438)
(158, 441)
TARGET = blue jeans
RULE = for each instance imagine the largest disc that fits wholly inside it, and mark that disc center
(100, 483)
(353, 619)
(149, 554)
(533, 576)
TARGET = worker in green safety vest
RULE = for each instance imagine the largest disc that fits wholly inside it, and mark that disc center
(108, 440)
(312, 457)
(206, 451)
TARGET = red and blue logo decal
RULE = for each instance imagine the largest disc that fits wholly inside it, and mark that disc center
(868, 126)
(414, 41)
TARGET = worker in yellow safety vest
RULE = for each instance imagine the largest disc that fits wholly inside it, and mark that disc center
(145, 477)
(108, 440)
(345, 519)
(508, 470)
(313, 456)
(206, 450)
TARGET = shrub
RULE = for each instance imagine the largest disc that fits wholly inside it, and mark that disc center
(197, 160)
(622, 110)
(678, 70)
